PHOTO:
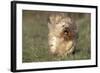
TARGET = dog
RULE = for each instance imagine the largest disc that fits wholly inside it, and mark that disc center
(62, 34)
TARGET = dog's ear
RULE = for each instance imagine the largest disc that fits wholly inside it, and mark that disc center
(55, 18)
(49, 26)
(51, 23)
(52, 19)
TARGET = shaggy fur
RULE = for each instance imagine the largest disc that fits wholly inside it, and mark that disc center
(62, 34)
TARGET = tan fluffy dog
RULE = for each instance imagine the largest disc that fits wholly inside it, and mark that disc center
(62, 33)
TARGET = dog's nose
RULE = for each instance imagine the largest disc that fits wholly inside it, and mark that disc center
(66, 29)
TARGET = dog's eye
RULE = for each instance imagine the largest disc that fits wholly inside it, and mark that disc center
(62, 25)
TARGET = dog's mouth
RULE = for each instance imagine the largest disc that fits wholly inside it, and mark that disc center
(67, 33)
(66, 30)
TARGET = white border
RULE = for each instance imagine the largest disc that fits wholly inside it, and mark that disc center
(36, 65)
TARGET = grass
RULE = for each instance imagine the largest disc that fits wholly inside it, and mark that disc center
(35, 38)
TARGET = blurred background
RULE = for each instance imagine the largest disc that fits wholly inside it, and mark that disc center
(35, 37)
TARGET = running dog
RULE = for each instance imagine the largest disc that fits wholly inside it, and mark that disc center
(62, 34)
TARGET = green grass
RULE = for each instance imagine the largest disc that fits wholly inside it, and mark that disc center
(35, 38)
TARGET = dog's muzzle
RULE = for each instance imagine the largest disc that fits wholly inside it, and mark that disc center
(66, 30)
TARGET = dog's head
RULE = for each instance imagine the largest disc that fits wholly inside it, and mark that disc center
(58, 23)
